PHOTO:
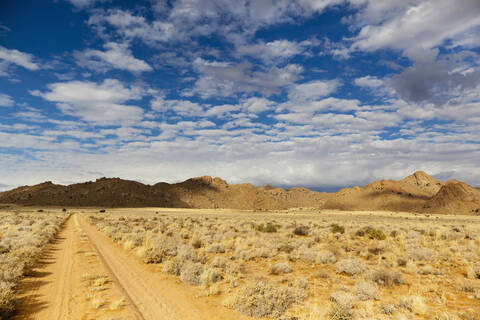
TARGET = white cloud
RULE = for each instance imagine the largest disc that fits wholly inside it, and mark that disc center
(314, 157)
(81, 4)
(228, 79)
(312, 90)
(278, 50)
(369, 82)
(413, 25)
(116, 56)
(257, 105)
(184, 19)
(378, 87)
(12, 56)
(181, 107)
(100, 104)
(131, 26)
(6, 100)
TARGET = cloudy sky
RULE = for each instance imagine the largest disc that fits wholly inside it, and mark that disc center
(316, 93)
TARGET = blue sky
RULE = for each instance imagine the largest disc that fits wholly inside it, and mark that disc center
(316, 93)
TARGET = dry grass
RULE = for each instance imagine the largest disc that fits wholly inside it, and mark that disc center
(22, 237)
(352, 266)
(262, 299)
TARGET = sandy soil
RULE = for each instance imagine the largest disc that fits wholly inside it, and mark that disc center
(58, 290)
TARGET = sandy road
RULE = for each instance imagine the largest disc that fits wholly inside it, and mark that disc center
(154, 295)
(49, 293)
(57, 289)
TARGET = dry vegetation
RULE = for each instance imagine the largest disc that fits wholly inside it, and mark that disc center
(22, 237)
(313, 266)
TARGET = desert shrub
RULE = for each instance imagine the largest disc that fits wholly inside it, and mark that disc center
(426, 270)
(385, 277)
(344, 298)
(216, 248)
(336, 228)
(377, 249)
(158, 247)
(219, 262)
(251, 254)
(340, 312)
(413, 304)
(322, 274)
(350, 266)
(280, 268)
(387, 309)
(28, 255)
(269, 228)
(342, 305)
(301, 231)
(421, 253)
(366, 291)
(11, 268)
(262, 299)
(371, 233)
(285, 248)
(210, 276)
(326, 257)
(191, 272)
(173, 266)
(7, 299)
(307, 254)
(153, 256)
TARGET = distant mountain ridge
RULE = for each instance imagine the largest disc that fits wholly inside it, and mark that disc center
(418, 192)
(201, 192)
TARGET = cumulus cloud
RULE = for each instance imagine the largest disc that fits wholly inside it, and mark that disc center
(351, 158)
(412, 25)
(229, 79)
(433, 81)
(378, 87)
(184, 19)
(97, 103)
(10, 57)
(6, 100)
(180, 107)
(312, 90)
(116, 56)
(368, 82)
(274, 51)
(132, 26)
(245, 108)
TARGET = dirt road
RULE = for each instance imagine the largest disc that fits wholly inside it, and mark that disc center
(58, 289)
(48, 294)
(155, 295)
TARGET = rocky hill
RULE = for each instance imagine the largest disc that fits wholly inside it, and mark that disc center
(418, 192)
(455, 197)
(201, 192)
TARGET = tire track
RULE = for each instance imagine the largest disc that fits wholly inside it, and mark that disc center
(153, 296)
(136, 312)
(49, 294)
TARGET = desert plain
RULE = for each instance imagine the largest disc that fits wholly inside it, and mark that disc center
(302, 263)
